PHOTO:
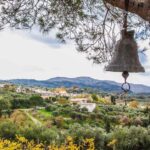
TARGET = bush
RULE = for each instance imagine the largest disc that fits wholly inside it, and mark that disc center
(21, 143)
(58, 121)
(20, 103)
(49, 136)
(4, 105)
(94, 97)
(8, 130)
(36, 100)
(82, 132)
(133, 104)
(63, 101)
(32, 133)
(133, 138)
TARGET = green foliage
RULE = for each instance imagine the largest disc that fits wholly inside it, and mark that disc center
(134, 138)
(95, 97)
(45, 112)
(113, 99)
(36, 100)
(58, 121)
(4, 105)
(51, 107)
(8, 130)
(63, 101)
(40, 134)
(8, 87)
(81, 132)
(84, 109)
(20, 103)
(27, 102)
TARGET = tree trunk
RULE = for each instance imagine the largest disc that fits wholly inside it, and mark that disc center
(139, 7)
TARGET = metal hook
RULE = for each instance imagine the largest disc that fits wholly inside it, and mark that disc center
(125, 86)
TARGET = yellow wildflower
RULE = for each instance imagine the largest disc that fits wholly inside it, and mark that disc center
(112, 143)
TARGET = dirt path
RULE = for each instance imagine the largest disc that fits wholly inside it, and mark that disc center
(36, 121)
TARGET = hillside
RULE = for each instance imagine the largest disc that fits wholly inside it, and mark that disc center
(82, 82)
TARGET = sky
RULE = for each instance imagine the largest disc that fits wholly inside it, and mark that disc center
(31, 55)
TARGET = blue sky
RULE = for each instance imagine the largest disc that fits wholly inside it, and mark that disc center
(32, 55)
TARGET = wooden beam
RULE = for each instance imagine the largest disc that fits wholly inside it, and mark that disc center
(139, 7)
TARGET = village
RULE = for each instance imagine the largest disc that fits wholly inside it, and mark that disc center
(62, 111)
(77, 97)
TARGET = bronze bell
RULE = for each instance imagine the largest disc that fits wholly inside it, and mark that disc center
(125, 56)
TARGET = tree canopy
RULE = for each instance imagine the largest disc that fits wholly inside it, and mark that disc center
(93, 24)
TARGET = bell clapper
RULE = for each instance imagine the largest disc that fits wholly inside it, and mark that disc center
(125, 86)
(125, 75)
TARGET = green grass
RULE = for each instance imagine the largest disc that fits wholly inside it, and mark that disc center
(45, 113)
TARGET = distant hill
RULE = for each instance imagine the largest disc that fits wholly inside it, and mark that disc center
(82, 82)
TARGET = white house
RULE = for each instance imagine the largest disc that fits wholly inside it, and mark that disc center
(90, 106)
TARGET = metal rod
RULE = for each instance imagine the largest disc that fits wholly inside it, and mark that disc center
(125, 25)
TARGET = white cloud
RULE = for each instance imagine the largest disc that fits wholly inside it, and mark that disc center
(23, 56)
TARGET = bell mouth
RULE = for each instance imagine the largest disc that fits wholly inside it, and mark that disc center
(116, 68)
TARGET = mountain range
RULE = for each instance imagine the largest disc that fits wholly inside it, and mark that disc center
(81, 82)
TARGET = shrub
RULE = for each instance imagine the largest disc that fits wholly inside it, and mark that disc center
(8, 130)
(82, 132)
(32, 133)
(51, 108)
(125, 120)
(36, 100)
(22, 143)
(84, 109)
(4, 105)
(49, 136)
(137, 121)
(63, 101)
(94, 97)
(133, 104)
(133, 138)
(58, 121)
